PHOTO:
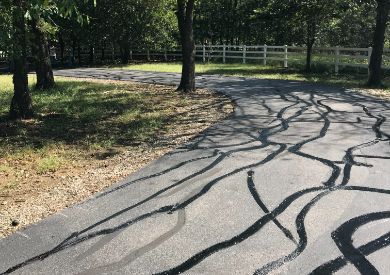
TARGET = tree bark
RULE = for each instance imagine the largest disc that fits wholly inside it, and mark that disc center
(103, 54)
(21, 104)
(375, 66)
(185, 16)
(311, 34)
(125, 52)
(79, 53)
(73, 51)
(309, 53)
(62, 48)
(43, 68)
(91, 55)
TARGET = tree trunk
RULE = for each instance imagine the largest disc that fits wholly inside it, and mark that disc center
(43, 69)
(311, 34)
(79, 53)
(103, 54)
(309, 53)
(73, 51)
(375, 76)
(91, 55)
(62, 49)
(125, 52)
(185, 9)
(21, 104)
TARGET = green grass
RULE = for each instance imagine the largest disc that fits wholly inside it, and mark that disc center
(81, 113)
(49, 164)
(4, 168)
(80, 116)
(351, 79)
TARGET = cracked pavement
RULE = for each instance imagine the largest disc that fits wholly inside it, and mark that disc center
(297, 181)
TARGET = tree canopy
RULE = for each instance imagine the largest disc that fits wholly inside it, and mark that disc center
(76, 26)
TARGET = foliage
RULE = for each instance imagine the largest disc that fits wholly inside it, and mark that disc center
(125, 24)
(152, 23)
(280, 22)
(5, 26)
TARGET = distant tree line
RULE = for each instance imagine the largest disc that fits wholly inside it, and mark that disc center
(30, 27)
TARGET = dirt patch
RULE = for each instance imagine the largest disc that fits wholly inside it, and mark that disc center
(28, 194)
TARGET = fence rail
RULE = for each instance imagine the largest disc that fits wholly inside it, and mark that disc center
(335, 56)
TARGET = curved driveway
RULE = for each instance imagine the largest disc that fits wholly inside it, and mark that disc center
(297, 181)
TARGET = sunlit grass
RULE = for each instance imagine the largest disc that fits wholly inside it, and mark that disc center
(49, 164)
(347, 79)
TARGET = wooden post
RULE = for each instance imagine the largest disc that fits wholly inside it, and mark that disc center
(369, 53)
(285, 56)
(244, 54)
(204, 53)
(337, 63)
(131, 55)
(113, 52)
(165, 55)
(148, 54)
(224, 54)
(265, 55)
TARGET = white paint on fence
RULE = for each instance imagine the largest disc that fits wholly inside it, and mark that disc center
(335, 56)
(285, 56)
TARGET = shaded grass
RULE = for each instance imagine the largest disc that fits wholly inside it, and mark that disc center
(80, 117)
(348, 79)
(81, 113)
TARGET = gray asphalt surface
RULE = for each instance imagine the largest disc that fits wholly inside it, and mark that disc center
(297, 181)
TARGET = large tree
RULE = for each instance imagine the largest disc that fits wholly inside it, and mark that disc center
(298, 21)
(313, 16)
(40, 49)
(185, 16)
(382, 16)
(41, 14)
(21, 104)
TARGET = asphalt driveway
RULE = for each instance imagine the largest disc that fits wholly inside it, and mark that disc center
(297, 181)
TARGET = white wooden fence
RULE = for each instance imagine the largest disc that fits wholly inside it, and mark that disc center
(337, 57)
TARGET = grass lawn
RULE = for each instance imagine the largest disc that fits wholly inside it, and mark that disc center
(77, 116)
(351, 80)
(87, 135)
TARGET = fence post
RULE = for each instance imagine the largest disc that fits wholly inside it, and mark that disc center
(165, 55)
(131, 55)
(369, 59)
(113, 52)
(265, 55)
(224, 54)
(337, 63)
(244, 54)
(285, 56)
(204, 53)
(148, 54)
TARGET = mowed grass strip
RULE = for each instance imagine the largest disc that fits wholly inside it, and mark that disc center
(350, 79)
